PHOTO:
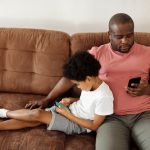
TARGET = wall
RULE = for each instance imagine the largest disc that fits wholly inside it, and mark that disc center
(72, 15)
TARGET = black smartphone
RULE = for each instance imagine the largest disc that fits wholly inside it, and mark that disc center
(134, 80)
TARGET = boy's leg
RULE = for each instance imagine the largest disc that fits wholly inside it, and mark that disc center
(141, 131)
(112, 135)
(31, 115)
(13, 124)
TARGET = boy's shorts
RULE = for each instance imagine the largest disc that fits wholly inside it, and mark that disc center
(61, 123)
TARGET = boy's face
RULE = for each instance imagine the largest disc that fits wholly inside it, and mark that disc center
(84, 85)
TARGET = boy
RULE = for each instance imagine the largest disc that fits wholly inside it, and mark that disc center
(84, 114)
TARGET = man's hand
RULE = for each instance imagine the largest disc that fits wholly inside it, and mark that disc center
(37, 104)
(141, 89)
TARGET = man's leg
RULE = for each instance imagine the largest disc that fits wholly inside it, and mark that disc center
(141, 131)
(112, 135)
(38, 115)
(13, 124)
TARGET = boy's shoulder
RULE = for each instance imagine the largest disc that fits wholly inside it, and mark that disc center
(105, 90)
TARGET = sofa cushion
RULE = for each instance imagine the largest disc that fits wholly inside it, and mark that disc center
(17, 101)
(31, 59)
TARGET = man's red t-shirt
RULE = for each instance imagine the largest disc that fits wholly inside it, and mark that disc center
(116, 70)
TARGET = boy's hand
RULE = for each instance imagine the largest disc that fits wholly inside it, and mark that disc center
(63, 111)
(66, 101)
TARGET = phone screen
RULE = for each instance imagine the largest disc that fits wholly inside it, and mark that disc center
(134, 80)
(58, 104)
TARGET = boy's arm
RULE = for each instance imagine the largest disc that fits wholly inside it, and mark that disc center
(90, 124)
(68, 101)
(74, 99)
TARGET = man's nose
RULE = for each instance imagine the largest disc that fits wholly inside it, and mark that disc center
(124, 40)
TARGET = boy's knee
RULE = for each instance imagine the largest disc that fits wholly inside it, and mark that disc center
(36, 113)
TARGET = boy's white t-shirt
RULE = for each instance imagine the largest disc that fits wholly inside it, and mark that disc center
(99, 101)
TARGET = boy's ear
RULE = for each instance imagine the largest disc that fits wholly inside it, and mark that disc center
(88, 78)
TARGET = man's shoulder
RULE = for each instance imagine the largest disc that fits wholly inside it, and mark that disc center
(97, 50)
(146, 47)
(101, 47)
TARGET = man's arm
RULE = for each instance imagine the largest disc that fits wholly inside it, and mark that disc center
(149, 84)
(61, 87)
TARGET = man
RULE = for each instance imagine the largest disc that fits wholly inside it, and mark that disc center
(121, 60)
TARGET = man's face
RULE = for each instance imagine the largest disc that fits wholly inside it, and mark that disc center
(121, 37)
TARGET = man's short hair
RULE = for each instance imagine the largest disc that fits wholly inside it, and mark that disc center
(120, 18)
(81, 65)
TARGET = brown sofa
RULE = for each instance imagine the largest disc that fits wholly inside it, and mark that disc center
(30, 66)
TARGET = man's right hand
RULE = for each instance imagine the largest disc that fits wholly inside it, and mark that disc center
(37, 104)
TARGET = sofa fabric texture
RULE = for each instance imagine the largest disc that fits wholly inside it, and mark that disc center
(31, 60)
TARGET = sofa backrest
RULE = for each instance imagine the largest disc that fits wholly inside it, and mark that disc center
(31, 59)
(85, 41)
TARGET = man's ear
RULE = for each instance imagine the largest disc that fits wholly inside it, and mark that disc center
(108, 34)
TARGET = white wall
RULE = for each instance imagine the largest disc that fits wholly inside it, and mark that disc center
(72, 15)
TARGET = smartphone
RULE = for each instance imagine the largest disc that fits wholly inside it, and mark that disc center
(58, 104)
(134, 80)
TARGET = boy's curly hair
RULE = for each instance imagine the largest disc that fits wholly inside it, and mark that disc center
(81, 65)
